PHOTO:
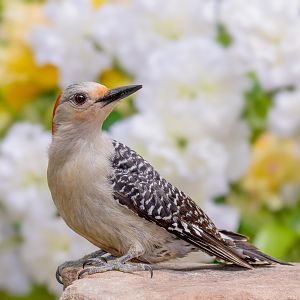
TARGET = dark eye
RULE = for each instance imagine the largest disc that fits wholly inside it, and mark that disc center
(79, 99)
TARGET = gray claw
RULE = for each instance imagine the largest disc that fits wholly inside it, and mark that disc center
(58, 276)
(149, 268)
(82, 272)
(92, 261)
(87, 259)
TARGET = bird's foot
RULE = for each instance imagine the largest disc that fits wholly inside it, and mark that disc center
(96, 261)
(60, 268)
(77, 263)
(99, 266)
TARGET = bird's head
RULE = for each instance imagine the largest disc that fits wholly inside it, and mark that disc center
(86, 105)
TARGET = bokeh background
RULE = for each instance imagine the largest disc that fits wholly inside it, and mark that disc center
(219, 115)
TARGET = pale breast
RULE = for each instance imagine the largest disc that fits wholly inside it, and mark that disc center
(82, 193)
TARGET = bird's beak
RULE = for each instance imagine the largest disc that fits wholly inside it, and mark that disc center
(118, 94)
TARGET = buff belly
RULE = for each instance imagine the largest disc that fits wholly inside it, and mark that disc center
(116, 229)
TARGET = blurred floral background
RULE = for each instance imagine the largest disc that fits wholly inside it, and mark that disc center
(219, 115)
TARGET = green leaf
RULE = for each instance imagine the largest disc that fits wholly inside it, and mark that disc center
(39, 110)
(119, 114)
(275, 240)
(294, 253)
(114, 117)
(252, 221)
(182, 142)
(223, 36)
(294, 219)
(37, 292)
(258, 103)
(1, 10)
(220, 199)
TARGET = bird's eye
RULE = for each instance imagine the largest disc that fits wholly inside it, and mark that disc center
(79, 99)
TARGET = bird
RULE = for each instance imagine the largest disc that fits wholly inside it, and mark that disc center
(110, 195)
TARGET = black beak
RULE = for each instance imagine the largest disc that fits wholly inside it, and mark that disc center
(118, 93)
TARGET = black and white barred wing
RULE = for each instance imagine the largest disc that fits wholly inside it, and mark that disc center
(141, 189)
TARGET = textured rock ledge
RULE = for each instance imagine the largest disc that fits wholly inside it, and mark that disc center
(188, 281)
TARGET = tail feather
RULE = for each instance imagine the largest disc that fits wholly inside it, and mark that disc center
(249, 252)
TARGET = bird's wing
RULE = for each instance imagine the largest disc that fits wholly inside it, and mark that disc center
(140, 188)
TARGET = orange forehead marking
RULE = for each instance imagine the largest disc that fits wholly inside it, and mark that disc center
(54, 111)
(100, 91)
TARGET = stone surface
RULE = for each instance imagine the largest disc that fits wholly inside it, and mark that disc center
(188, 281)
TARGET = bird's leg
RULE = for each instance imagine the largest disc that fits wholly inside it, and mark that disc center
(119, 264)
(78, 263)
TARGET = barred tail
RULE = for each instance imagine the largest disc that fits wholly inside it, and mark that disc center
(249, 252)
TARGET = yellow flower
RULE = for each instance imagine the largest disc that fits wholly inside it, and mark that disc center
(98, 3)
(275, 163)
(114, 77)
(21, 78)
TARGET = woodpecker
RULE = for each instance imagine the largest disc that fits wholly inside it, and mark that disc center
(110, 195)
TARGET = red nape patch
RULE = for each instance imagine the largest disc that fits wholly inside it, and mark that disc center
(53, 114)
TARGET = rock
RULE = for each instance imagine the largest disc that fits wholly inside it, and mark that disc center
(188, 281)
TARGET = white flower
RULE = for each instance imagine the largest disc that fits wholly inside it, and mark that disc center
(190, 126)
(54, 243)
(224, 216)
(185, 85)
(13, 276)
(132, 32)
(67, 41)
(284, 116)
(23, 184)
(265, 38)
